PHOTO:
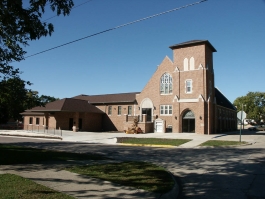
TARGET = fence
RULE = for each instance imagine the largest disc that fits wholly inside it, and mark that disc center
(43, 129)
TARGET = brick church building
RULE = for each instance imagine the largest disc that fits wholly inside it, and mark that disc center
(180, 97)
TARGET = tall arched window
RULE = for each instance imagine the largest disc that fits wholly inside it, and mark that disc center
(166, 84)
(191, 63)
(186, 64)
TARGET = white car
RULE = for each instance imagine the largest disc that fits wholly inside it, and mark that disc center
(257, 128)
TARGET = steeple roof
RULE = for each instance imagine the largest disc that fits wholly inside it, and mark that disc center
(193, 43)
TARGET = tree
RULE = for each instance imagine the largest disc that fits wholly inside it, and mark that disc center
(18, 25)
(12, 97)
(253, 104)
(15, 98)
(44, 99)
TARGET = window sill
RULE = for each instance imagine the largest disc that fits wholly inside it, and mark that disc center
(166, 94)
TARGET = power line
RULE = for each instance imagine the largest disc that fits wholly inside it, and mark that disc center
(117, 27)
(72, 9)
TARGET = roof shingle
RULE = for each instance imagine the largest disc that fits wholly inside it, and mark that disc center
(67, 105)
(109, 98)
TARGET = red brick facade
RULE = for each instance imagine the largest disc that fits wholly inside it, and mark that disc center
(181, 95)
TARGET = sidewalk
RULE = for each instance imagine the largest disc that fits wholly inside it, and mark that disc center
(74, 184)
(251, 137)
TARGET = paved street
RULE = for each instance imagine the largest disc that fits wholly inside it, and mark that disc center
(203, 172)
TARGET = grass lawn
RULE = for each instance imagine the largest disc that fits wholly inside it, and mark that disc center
(18, 155)
(137, 174)
(221, 143)
(152, 141)
(13, 186)
(140, 175)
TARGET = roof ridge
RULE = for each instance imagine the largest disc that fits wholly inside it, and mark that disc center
(109, 94)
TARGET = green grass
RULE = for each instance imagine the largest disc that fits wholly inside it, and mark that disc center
(18, 155)
(221, 143)
(13, 187)
(140, 175)
(136, 174)
(152, 141)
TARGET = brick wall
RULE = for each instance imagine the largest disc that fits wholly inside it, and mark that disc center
(201, 78)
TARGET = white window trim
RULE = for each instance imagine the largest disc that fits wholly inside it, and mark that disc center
(170, 82)
(131, 111)
(164, 108)
(190, 80)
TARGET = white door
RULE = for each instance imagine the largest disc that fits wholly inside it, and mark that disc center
(159, 127)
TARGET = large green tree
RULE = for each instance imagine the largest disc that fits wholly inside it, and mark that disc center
(20, 24)
(253, 104)
(15, 98)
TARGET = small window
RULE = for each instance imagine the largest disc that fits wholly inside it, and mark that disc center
(166, 110)
(170, 110)
(37, 121)
(109, 110)
(31, 120)
(188, 86)
(162, 110)
(119, 110)
(129, 110)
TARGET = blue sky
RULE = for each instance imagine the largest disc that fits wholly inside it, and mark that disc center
(123, 60)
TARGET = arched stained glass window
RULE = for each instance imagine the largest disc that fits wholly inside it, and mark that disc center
(189, 115)
(166, 84)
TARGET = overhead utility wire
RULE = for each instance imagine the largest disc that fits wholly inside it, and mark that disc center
(72, 9)
(120, 26)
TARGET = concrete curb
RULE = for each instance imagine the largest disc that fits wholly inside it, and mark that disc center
(174, 192)
(148, 145)
(32, 136)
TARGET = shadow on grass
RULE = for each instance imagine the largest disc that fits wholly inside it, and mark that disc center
(18, 155)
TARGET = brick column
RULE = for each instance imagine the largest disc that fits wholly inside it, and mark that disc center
(144, 118)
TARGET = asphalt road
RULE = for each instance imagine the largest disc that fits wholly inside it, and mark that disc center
(228, 172)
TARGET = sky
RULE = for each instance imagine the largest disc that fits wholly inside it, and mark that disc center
(123, 60)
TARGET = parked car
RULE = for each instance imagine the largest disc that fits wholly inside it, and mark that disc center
(257, 128)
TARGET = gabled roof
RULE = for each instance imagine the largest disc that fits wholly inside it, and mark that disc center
(67, 105)
(193, 43)
(221, 100)
(109, 98)
(29, 113)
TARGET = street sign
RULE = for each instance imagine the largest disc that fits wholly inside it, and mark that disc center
(244, 115)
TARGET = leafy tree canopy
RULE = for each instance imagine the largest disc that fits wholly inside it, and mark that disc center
(18, 25)
(253, 104)
(15, 98)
